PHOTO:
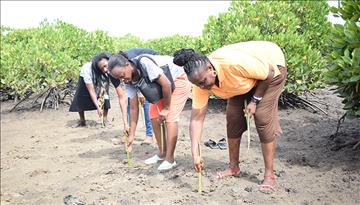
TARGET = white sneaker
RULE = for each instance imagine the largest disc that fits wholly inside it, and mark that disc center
(165, 165)
(153, 160)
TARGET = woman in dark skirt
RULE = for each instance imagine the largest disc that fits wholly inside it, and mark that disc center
(93, 79)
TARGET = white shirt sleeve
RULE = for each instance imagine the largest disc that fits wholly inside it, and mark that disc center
(152, 69)
(86, 73)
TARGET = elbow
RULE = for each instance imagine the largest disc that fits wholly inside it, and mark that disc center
(166, 89)
(166, 86)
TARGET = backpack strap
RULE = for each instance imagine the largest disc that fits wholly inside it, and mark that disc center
(165, 68)
(144, 55)
(143, 71)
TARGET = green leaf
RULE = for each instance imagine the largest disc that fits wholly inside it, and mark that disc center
(356, 57)
(354, 79)
(334, 10)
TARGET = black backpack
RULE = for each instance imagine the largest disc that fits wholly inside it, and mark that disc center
(152, 91)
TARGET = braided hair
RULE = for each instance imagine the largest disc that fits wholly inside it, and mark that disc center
(192, 62)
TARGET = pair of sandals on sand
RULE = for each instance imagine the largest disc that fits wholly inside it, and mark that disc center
(221, 144)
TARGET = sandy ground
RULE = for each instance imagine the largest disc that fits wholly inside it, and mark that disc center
(44, 159)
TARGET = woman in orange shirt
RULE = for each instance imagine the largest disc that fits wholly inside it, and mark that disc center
(253, 71)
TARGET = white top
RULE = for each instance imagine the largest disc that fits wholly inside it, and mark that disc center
(154, 71)
(86, 73)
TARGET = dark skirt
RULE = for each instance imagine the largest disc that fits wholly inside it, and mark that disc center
(82, 100)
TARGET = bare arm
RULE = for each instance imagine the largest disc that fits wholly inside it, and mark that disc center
(166, 90)
(196, 126)
(123, 106)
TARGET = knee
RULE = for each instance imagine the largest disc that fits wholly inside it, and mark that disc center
(261, 119)
(235, 129)
(267, 140)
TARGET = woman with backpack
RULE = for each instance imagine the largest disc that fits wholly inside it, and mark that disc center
(94, 78)
(168, 99)
(138, 98)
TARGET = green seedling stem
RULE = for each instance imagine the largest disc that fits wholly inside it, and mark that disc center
(128, 156)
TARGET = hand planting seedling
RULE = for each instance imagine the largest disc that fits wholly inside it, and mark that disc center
(101, 101)
(128, 156)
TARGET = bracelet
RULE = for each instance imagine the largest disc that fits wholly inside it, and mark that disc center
(255, 100)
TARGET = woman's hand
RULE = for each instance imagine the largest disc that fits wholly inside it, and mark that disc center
(141, 100)
(251, 108)
(198, 163)
(130, 141)
(126, 129)
(163, 114)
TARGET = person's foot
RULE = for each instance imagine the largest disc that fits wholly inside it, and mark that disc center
(228, 172)
(165, 166)
(153, 160)
(81, 123)
(107, 123)
(147, 140)
(268, 184)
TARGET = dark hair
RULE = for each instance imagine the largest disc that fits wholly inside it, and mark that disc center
(120, 59)
(191, 61)
(96, 59)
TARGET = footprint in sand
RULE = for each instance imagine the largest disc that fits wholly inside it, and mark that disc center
(38, 172)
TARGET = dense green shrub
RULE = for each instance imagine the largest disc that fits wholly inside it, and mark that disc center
(344, 60)
(38, 58)
(168, 45)
(35, 59)
(300, 28)
(128, 41)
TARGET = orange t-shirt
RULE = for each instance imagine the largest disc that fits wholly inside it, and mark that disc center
(238, 67)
